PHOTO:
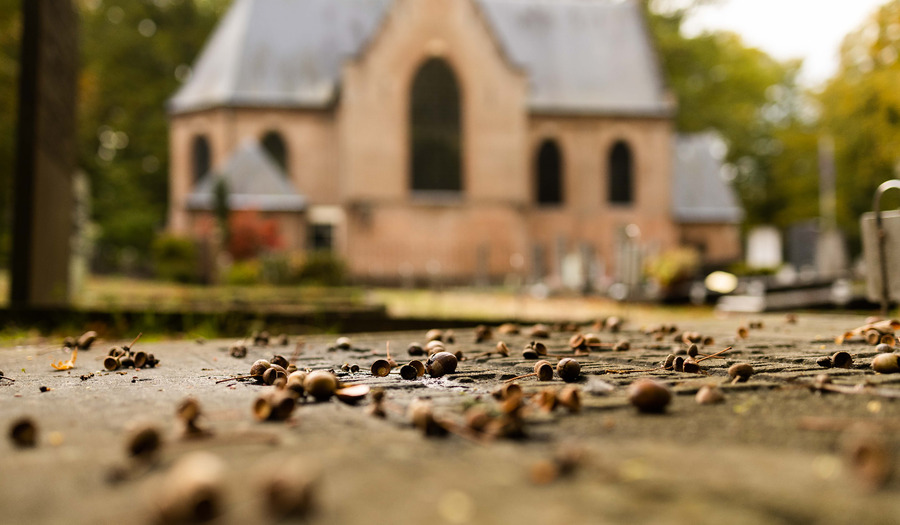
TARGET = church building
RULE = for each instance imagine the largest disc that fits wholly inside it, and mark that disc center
(446, 140)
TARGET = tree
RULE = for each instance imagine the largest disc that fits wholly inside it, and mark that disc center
(10, 35)
(754, 103)
(135, 54)
(861, 109)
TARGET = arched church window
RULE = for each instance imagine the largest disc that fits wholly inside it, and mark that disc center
(621, 174)
(549, 174)
(435, 129)
(200, 157)
(274, 145)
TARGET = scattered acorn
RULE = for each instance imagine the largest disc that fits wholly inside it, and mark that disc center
(434, 335)
(570, 397)
(825, 361)
(740, 372)
(709, 395)
(842, 360)
(408, 372)
(110, 363)
(441, 363)
(568, 369)
(649, 396)
(539, 331)
(886, 363)
(415, 349)
(543, 370)
(86, 340)
(508, 329)
(192, 490)
(143, 442)
(258, 368)
(320, 384)
(279, 360)
(288, 490)
(343, 343)
(422, 416)
(381, 368)
(23, 432)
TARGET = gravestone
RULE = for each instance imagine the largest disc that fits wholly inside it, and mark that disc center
(764, 247)
(45, 155)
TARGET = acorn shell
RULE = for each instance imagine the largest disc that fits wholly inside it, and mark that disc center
(441, 363)
(649, 396)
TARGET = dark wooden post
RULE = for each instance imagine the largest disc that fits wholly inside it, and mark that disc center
(45, 155)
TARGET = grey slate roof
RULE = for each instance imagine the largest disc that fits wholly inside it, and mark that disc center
(699, 193)
(581, 56)
(254, 182)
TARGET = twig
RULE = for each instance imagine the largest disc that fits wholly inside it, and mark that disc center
(233, 379)
(8, 378)
(135, 340)
(889, 393)
(717, 354)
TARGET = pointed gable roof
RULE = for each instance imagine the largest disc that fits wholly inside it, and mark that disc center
(699, 194)
(580, 56)
(254, 182)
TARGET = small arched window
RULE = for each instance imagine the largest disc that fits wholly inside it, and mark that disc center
(548, 174)
(621, 176)
(276, 148)
(200, 157)
(435, 129)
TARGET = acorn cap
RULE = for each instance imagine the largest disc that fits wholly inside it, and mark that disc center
(320, 384)
(143, 442)
(740, 372)
(709, 395)
(570, 397)
(188, 410)
(352, 394)
(86, 340)
(279, 360)
(408, 372)
(543, 370)
(140, 359)
(111, 363)
(419, 366)
(23, 432)
(842, 359)
(381, 368)
(191, 491)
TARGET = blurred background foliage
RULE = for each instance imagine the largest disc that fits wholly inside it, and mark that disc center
(135, 53)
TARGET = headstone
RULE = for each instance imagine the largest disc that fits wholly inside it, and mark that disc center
(802, 238)
(45, 155)
(764, 247)
(831, 254)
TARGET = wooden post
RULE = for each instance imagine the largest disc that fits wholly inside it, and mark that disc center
(45, 155)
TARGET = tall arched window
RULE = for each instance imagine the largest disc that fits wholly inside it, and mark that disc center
(200, 157)
(435, 138)
(276, 148)
(621, 176)
(548, 174)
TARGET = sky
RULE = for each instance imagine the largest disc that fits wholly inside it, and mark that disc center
(808, 29)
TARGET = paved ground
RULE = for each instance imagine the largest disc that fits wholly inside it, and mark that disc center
(773, 452)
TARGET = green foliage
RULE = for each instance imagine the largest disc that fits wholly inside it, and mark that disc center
(175, 258)
(861, 109)
(754, 102)
(673, 266)
(243, 273)
(133, 55)
(323, 268)
(10, 34)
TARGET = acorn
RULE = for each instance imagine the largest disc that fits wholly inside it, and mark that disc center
(508, 329)
(261, 339)
(539, 330)
(143, 442)
(842, 360)
(690, 366)
(678, 364)
(539, 347)
(126, 362)
(408, 372)
(320, 384)
(568, 369)
(419, 366)
(272, 373)
(283, 403)
(192, 490)
(483, 333)
(869, 459)
(507, 391)
(888, 339)
(529, 353)
(740, 372)
(649, 396)
(295, 381)
(152, 361)
(140, 359)
(883, 348)
(288, 491)
(433, 347)
(69, 342)
(449, 337)
(258, 368)
(709, 395)
(188, 410)
(23, 432)
(381, 368)
(441, 363)
(111, 363)
(873, 337)
(262, 407)
(279, 360)
(669, 362)
(415, 349)
(576, 341)
(343, 343)
(477, 418)
(543, 370)
(742, 332)
(693, 350)
(825, 361)
(622, 346)
(283, 340)
(352, 394)
(86, 340)
(613, 323)
(546, 399)
(354, 368)
(570, 397)
(708, 341)
(502, 349)
(422, 417)
(434, 335)
(886, 363)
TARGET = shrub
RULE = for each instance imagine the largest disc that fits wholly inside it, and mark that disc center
(673, 266)
(175, 258)
(323, 268)
(243, 273)
(249, 234)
